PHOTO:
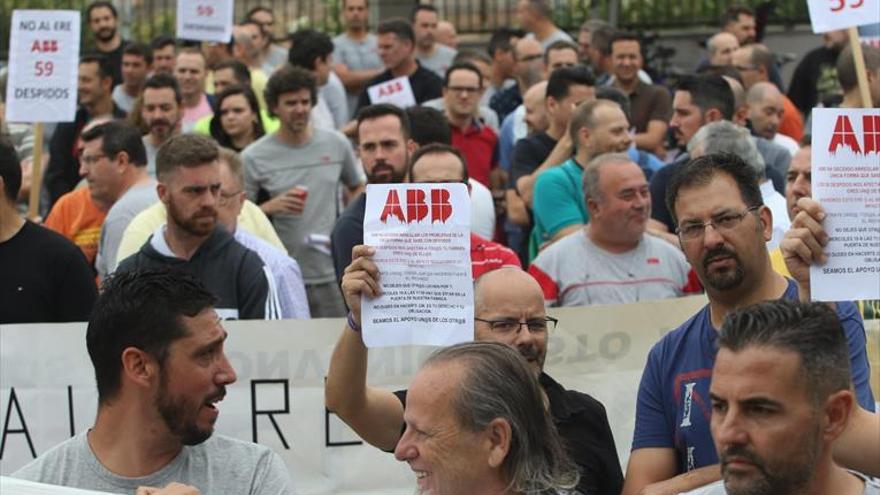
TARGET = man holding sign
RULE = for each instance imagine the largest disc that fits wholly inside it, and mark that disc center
(505, 300)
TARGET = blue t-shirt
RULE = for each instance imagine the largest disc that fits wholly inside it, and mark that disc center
(557, 202)
(673, 407)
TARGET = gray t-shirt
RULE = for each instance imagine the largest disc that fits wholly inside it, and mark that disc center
(123, 100)
(333, 94)
(276, 167)
(134, 201)
(872, 487)
(356, 55)
(151, 155)
(440, 60)
(218, 465)
(558, 35)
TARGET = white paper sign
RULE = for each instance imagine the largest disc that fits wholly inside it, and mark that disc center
(43, 65)
(205, 20)
(828, 15)
(846, 182)
(396, 92)
(421, 233)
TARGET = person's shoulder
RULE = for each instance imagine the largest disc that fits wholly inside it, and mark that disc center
(330, 136)
(234, 447)
(253, 150)
(685, 335)
(49, 467)
(572, 246)
(47, 240)
(716, 488)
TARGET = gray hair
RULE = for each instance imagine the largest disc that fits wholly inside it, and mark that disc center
(498, 383)
(591, 173)
(724, 136)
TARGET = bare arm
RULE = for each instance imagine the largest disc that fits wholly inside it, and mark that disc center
(354, 80)
(375, 414)
(652, 139)
(652, 471)
(516, 209)
(858, 448)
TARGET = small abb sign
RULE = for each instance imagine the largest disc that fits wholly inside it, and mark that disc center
(865, 142)
(395, 92)
(417, 208)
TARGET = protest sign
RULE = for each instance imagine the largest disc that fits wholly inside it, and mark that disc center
(829, 15)
(846, 182)
(421, 233)
(205, 20)
(43, 63)
(396, 92)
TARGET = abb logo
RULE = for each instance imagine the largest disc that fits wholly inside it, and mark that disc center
(416, 209)
(843, 135)
(46, 46)
(391, 88)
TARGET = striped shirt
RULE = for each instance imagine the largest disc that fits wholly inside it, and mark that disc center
(487, 256)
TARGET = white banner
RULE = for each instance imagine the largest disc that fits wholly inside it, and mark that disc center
(205, 20)
(828, 15)
(846, 181)
(278, 399)
(395, 92)
(43, 66)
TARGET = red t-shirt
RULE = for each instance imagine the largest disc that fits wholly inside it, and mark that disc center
(477, 143)
(487, 256)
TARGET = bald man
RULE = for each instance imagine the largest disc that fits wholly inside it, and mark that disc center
(766, 110)
(755, 64)
(721, 48)
(509, 308)
(446, 34)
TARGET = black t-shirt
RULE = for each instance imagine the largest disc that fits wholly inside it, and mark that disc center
(583, 425)
(528, 154)
(425, 84)
(348, 232)
(659, 182)
(815, 80)
(44, 278)
(114, 58)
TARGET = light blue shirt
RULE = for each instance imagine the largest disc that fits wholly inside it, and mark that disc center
(285, 276)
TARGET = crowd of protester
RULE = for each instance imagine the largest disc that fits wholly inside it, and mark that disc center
(226, 180)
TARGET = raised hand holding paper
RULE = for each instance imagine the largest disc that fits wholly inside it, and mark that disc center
(421, 233)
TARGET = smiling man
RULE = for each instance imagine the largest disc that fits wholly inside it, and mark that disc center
(156, 344)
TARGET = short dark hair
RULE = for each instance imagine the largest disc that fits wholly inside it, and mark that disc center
(617, 96)
(557, 46)
(846, 65)
(162, 80)
(117, 136)
(398, 27)
(287, 80)
(139, 49)
(701, 171)
(709, 91)
(142, 309)
(238, 68)
(563, 78)
(307, 45)
(420, 7)
(101, 4)
(216, 127)
(601, 39)
(462, 66)
(468, 55)
(259, 8)
(435, 149)
(184, 150)
(501, 40)
(428, 125)
(541, 7)
(161, 41)
(624, 36)
(732, 13)
(104, 69)
(811, 330)
(371, 112)
(10, 170)
(761, 56)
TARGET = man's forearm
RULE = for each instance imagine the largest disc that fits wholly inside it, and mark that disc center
(685, 482)
(346, 385)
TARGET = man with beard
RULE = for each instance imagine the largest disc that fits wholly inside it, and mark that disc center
(508, 308)
(781, 399)
(612, 260)
(160, 112)
(384, 146)
(355, 53)
(191, 241)
(672, 444)
(430, 54)
(94, 89)
(156, 344)
(103, 20)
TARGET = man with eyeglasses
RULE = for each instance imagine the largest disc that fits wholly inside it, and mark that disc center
(723, 227)
(508, 308)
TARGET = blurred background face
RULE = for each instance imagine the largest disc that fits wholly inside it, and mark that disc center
(223, 78)
(90, 87)
(835, 40)
(103, 23)
(744, 29)
(190, 73)
(766, 115)
(266, 21)
(134, 70)
(725, 45)
(160, 112)
(392, 50)
(163, 59)
(462, 93)
(231, 198)
(626, 59)
(529, 58)
(236, 116)
(610, 134)
(565, 57)
(425, 26)
(686, 118)
(355, 14)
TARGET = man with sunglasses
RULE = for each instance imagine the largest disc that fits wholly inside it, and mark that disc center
(723, 227)
(508, 308)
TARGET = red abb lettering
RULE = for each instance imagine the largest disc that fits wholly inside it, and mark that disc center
(416, 207)
(44, 46)
(844, 135)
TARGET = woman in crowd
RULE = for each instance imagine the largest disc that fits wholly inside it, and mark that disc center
(236, 122)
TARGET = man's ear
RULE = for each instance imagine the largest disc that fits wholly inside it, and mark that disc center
(498, 436)
(766, 217)
(411, 146)
(162, 192)
(712, 115)
(837, 411)
(139, 367)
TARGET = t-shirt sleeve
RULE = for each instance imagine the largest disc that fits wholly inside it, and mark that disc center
(523, 161)
(77, 291)
(551, 207)
(854, 329)
(350, 175)
(651, 430)
(251, 178)
(548, 285)
(272, 477)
